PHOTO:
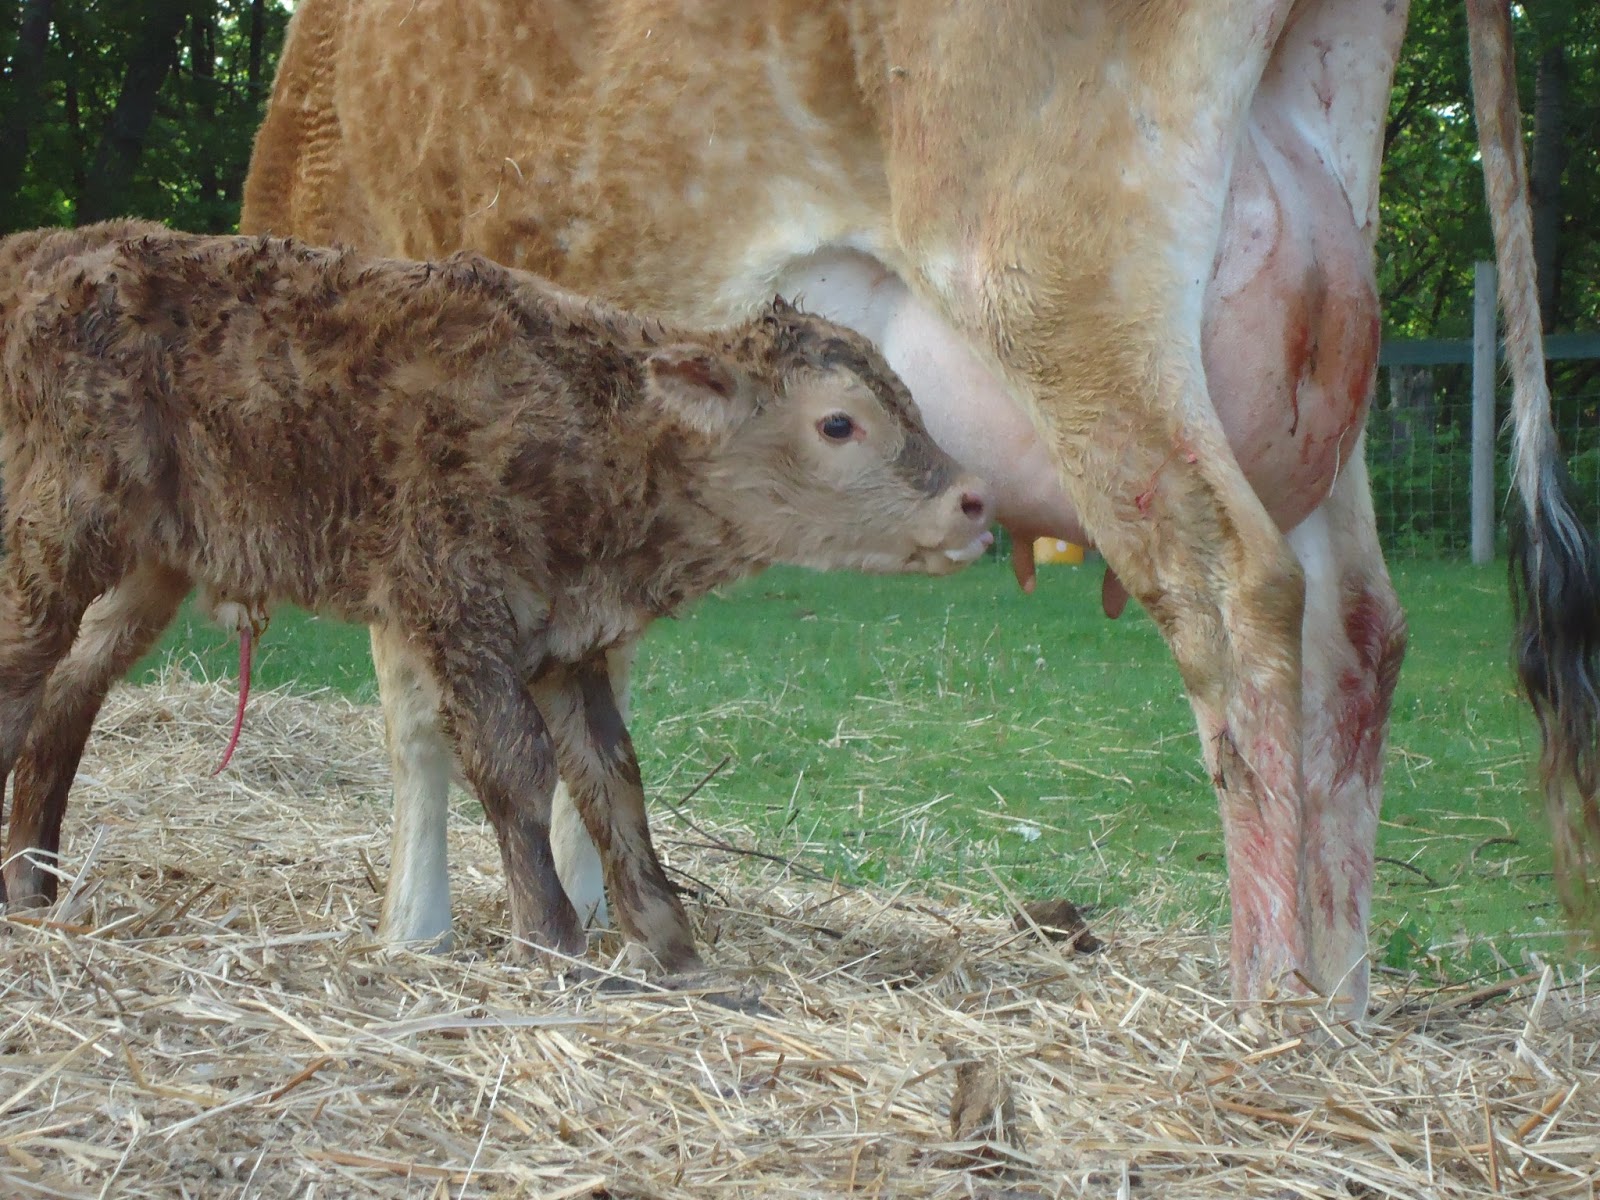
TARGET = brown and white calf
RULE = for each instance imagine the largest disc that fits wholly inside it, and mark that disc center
(507, 478)
(1122, 253)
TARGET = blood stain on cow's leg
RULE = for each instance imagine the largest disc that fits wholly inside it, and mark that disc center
(1354, 641)
(1145, 499)
(1258, 791)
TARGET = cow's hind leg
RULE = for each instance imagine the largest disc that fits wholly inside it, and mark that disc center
(1289, 649)
(1186, 534)
(117, 630)
(1073, 249)
(1354, 640)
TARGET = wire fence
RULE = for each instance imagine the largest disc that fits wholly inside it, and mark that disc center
(1419, 455)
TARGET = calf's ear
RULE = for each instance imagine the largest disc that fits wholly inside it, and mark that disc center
(699, 389)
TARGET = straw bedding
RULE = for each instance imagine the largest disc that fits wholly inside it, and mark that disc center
(207, 1013)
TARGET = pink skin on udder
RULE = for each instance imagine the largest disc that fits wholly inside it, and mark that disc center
(1290, 336)
(1291, 332)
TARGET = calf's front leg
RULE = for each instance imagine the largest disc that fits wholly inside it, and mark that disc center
(416, 900)
(509, 759)
(601, 769)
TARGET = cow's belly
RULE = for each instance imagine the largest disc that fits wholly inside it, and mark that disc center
(1290, 339)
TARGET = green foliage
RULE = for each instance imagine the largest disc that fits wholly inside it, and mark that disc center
(1435, 222)
(215, 66)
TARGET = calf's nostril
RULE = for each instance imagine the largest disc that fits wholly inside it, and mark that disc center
(972, 505)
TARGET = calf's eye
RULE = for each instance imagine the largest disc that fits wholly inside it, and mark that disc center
(837, 427)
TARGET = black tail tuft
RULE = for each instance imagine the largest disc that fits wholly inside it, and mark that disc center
(1555, 599)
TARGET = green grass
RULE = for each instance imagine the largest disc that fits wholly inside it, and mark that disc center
(937, 729)
(297, 650)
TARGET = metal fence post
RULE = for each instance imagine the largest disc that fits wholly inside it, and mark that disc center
(1484, 366)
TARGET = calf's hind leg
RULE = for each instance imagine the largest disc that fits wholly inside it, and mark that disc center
(116, 631)
(45, 588)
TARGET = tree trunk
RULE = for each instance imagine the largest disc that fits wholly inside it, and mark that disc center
(258, 33)
(117, 158)
(255, 87)
(22, 84)
(1547, 163)
(203, 105)
(72, 108)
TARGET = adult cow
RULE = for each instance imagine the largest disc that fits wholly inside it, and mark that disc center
(1122, 253)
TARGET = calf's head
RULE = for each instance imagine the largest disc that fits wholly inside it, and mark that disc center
(811, 445)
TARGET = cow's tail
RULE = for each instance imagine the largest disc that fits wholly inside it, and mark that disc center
(1555, 567)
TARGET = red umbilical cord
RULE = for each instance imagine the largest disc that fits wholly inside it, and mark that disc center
(244, 695)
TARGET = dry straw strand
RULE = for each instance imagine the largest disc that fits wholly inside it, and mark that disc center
(210, 1013)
